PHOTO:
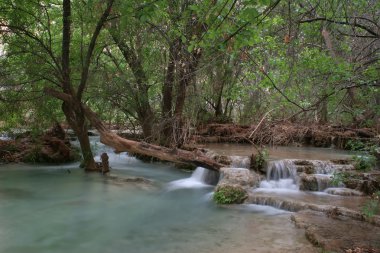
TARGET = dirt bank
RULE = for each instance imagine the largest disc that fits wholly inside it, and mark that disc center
(52, 146)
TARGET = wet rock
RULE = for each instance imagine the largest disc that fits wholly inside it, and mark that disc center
(90, 133)
(368, 183)
(338, 233)
(343, 192)
(229, 194)
(314, 182)
(342, 161)
(303, 162)
(223, 159)
(235, 184)
(308, 169)
(239, 176)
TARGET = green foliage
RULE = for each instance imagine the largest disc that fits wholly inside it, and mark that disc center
(339, 178)
(241, 45)
(355, 145)
(259, 160)
(33, 155)
(372, 206)
(364, 162)
(227, 194)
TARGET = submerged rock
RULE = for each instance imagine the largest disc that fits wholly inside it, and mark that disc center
(343, 192)
(338, 233)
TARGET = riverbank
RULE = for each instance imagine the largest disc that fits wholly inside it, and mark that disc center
(52, 146)
(285, 134)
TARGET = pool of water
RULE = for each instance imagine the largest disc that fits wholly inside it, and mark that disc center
(281, 152)
(62, 209)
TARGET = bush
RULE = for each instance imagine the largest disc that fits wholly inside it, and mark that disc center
(229, 194)
(372, 206)
(258, 160)
(355, 145)
(364, 163)
(338, 178)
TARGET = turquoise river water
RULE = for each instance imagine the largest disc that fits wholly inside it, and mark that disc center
(61, 209)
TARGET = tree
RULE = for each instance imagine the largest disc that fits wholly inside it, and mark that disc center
(40, 43)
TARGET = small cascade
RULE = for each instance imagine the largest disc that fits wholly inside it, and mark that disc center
(305, 175)
(323, 181)
(5, 137)
(206, 176)
(201, 177)
(240, 161)
(281, 174)
(281, 169)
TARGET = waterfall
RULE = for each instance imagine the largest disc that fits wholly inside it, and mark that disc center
(281, 174)
(306, 175)
(240, 161)
(282, 169)
(201, 177)
(323, 181)
(206, 176)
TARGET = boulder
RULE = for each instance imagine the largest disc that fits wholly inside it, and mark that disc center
(368, 183)
(234, 185)
(239, 176)
(230, 194)
(314, 182)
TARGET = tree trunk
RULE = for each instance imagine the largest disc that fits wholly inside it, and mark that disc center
(77, 122)
(146, 118)
(167, 97)
(323, 114)
(175, 155)
(143, 109)
(88, 159)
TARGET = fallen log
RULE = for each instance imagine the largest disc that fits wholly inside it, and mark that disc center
(175, 155)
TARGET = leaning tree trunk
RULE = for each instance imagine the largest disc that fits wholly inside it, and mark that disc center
(175, 155)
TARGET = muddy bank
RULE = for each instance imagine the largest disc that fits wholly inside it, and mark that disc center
(285, 134)
(53, 146)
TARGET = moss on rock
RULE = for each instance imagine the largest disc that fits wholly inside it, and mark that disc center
(230, 194)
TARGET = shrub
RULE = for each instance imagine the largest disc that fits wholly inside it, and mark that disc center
(371, 208)
(228, 194)
(338, 178)
(364, 163)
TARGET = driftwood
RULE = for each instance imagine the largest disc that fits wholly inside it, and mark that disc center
(121, 144)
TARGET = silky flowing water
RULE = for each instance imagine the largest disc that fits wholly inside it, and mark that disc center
(63, 209)
(281, 184)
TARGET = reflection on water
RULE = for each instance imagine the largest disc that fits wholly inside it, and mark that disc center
(47, 209)
(280, 152)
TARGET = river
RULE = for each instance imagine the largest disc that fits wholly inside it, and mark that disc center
(62, 209)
